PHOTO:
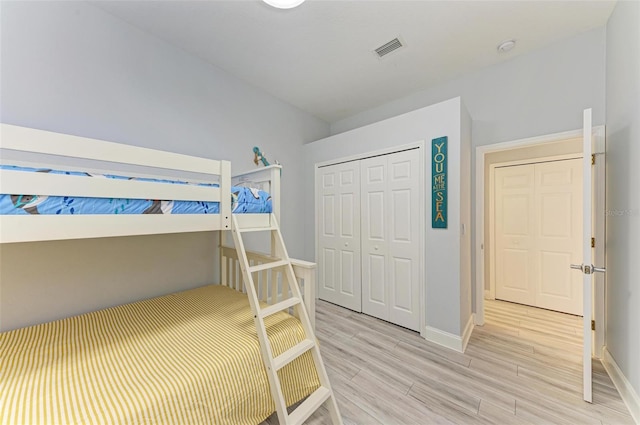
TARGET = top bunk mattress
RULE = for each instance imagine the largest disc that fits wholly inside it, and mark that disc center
(244, 200)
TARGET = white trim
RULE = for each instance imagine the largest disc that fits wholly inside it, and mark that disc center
(550, 158)
(364, 155)
(487, 295)
(445, 339)
(468, 330)
(627, 392)
(599, 232)
(481, 151)
(492, 235)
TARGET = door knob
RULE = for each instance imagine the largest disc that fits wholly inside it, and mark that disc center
(346, 244)
(588, 269)
(375, 247)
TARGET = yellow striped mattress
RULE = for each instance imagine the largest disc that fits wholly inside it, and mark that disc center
(190, 357)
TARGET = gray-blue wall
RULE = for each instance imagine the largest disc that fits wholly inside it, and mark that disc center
(72, 68)
(623, 189)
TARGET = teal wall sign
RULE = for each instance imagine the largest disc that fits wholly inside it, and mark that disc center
(439, 183)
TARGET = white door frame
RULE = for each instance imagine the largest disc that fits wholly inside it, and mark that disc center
(421, 218)
(481, 152)
(492, 170)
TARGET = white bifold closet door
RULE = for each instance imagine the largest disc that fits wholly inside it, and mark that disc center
(538, 234)
(339, 234)
(368, 236)
(390, 237)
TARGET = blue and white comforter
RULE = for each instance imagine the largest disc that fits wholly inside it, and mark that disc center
(244, 200)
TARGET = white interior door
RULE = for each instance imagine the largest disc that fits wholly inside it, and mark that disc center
(514, 233)
(558, 204)
(339, 234)
(538, 231)
(587, 267)
(390, 243)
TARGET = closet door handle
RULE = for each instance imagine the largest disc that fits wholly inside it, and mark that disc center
(346, 244)
(375, 247)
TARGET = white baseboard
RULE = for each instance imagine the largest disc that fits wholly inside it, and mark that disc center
(487, 294)
(467, 331)
(628, 394)
(449, 340)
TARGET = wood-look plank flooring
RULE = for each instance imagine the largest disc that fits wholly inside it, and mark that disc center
(522, 367)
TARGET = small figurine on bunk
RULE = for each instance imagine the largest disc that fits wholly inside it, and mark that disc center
(259, 157)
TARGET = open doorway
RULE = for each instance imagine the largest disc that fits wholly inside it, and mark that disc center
(506, 156)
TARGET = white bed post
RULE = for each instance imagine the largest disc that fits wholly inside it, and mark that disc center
(225, 190)
(225, 216)
(274, 191)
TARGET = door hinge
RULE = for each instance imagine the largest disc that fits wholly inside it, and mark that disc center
(593, 325)
(593, 242)
(593, 159)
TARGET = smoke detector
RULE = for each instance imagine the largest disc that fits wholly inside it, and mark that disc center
(506, 46)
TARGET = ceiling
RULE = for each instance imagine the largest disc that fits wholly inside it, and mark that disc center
(319, 56)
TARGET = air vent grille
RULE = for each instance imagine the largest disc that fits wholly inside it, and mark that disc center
(389, 47)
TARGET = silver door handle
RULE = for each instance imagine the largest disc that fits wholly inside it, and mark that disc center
(589, 269)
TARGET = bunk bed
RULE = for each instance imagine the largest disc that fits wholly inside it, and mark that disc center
(189, 357)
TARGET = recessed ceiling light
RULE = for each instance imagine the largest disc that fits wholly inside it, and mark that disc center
(284, 4)
(506, 46)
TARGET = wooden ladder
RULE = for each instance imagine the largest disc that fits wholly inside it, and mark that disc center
(324, 393)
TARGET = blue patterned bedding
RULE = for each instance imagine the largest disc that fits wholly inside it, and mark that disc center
(243, 200)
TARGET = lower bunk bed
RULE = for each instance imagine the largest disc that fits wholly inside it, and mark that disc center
(188, 357)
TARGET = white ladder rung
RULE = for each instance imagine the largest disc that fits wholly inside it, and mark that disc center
(255, 229)
(293, 353)
(282, 305)
(267, 266)
(310, 405)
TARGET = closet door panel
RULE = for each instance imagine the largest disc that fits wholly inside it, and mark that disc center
(339, 279)
(514, 234)
(375, 209)
(403, 243)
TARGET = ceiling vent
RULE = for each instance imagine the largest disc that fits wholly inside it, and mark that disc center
(389, 47)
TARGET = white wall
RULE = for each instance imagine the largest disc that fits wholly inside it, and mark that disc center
(442, 246)
(623, 189)
(466, 296)
(534, 94)
(72, 68)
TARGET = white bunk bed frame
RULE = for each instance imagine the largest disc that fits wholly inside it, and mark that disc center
(32, 228)
(271, 278)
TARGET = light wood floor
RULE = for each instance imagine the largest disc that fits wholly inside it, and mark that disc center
(522, 367)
